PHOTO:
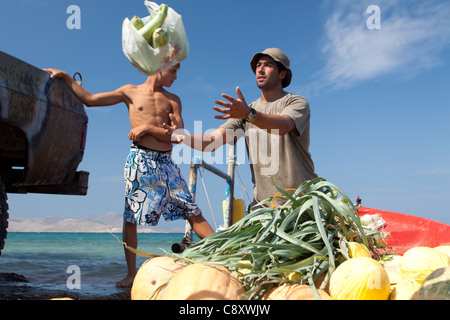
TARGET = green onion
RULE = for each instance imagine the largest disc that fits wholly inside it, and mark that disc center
(306, 235)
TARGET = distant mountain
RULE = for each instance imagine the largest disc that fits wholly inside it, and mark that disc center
(108, 222)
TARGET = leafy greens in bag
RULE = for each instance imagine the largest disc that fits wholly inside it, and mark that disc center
(156, 42)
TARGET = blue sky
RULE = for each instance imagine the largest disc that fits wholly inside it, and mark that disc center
(379, 98)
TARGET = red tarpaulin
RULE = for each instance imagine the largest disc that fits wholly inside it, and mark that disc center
(406, 231)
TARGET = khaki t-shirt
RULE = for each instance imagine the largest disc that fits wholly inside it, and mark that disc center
(285, 159)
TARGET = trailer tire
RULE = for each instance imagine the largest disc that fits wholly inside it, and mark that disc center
(3, 216)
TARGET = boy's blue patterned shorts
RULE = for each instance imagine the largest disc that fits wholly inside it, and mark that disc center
(154, 186)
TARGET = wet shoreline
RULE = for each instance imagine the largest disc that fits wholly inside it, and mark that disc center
(16, 287)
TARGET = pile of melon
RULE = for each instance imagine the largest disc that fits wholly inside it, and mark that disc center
(421, 273)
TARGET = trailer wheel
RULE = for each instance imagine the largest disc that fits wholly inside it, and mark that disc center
(3, 216)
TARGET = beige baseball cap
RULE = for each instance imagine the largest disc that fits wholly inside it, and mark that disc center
(277, 55)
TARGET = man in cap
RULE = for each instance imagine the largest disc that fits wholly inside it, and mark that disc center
(276, 129)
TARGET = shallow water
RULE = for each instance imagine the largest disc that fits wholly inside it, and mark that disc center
(50, 261)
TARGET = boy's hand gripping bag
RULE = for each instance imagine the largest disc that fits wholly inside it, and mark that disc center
(143, 56)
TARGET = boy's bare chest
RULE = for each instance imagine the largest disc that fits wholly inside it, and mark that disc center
(156, 105)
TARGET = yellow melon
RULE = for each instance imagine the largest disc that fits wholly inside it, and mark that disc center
(404, 289)
(444, 249)
(392, 267)
(360, 278)
(356, 250)
(418, 262)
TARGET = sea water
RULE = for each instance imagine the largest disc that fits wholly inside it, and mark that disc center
(51, 260)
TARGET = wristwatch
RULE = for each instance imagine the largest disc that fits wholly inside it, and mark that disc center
(251, 115)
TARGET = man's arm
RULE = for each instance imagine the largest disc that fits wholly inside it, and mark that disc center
(87, 98)
(238, 109)
(208, 142)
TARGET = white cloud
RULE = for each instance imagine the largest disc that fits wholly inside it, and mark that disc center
(412, 38)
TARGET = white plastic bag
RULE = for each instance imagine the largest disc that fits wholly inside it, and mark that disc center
(144, 57)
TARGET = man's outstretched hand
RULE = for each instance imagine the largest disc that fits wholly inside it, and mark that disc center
(235, 108)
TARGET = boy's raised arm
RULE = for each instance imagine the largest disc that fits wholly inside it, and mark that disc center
(87, 98)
